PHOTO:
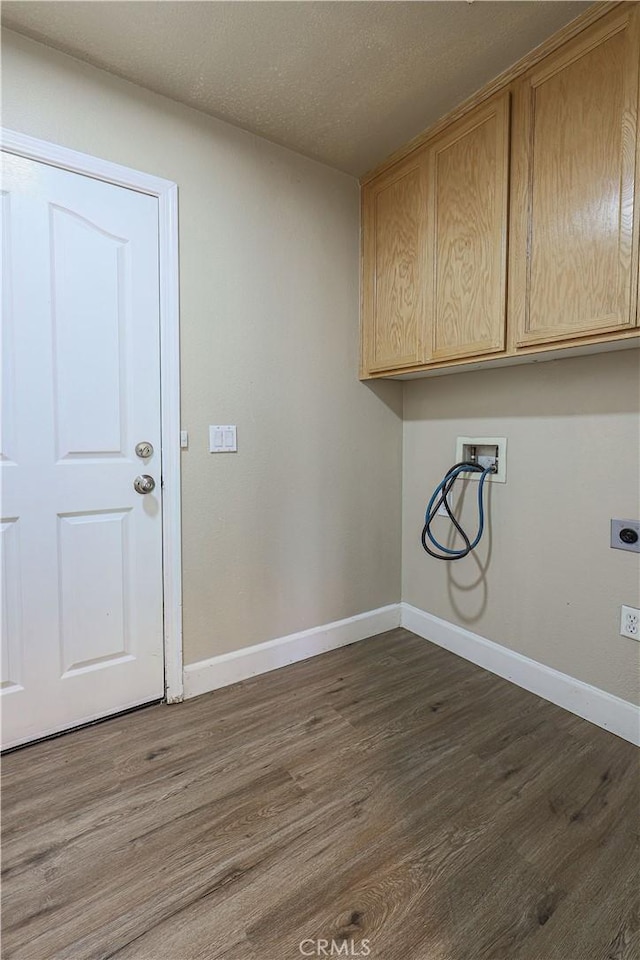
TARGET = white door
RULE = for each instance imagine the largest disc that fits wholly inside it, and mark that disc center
(82, 629)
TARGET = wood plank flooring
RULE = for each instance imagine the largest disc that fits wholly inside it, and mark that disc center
(387, 797)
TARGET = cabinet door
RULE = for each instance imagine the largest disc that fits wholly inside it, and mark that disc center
(467, 234)
(393, 266)
(574, 215)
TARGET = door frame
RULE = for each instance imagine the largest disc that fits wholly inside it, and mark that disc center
(166, 192)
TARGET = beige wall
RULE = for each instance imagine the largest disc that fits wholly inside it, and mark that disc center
(544, 581)
(305, 529)
(303, 525)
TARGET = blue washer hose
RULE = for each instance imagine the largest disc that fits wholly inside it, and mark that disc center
(439, 498)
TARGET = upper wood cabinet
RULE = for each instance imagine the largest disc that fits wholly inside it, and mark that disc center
(466, 272)
(511, 228)
(393, 261)
(434, 247)
(574, 222)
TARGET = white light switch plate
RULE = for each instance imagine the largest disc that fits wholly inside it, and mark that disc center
(223, 439)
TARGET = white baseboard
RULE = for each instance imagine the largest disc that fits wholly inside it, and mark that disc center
(220, 671)
(591, 703)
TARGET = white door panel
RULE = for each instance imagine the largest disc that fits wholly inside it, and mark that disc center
(81, 550)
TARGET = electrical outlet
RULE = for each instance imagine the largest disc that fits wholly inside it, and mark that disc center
(630, 623)
(625, 535)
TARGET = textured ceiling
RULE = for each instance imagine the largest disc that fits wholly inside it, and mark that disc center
(342, 82)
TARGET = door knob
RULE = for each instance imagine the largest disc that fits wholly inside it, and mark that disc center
(144, 483)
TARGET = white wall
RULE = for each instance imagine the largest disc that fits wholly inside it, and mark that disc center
(302, 526)
(544, 581)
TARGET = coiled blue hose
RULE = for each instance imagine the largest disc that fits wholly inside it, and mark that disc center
(439, 498)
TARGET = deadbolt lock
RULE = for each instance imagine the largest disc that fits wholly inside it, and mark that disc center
(144, 449)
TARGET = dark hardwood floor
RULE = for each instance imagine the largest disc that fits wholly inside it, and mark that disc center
(388, 796)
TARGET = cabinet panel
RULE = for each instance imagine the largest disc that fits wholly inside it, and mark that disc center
(573, 206)
(467, 234)
(393, 267)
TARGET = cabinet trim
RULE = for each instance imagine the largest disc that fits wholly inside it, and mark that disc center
(628, 339)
